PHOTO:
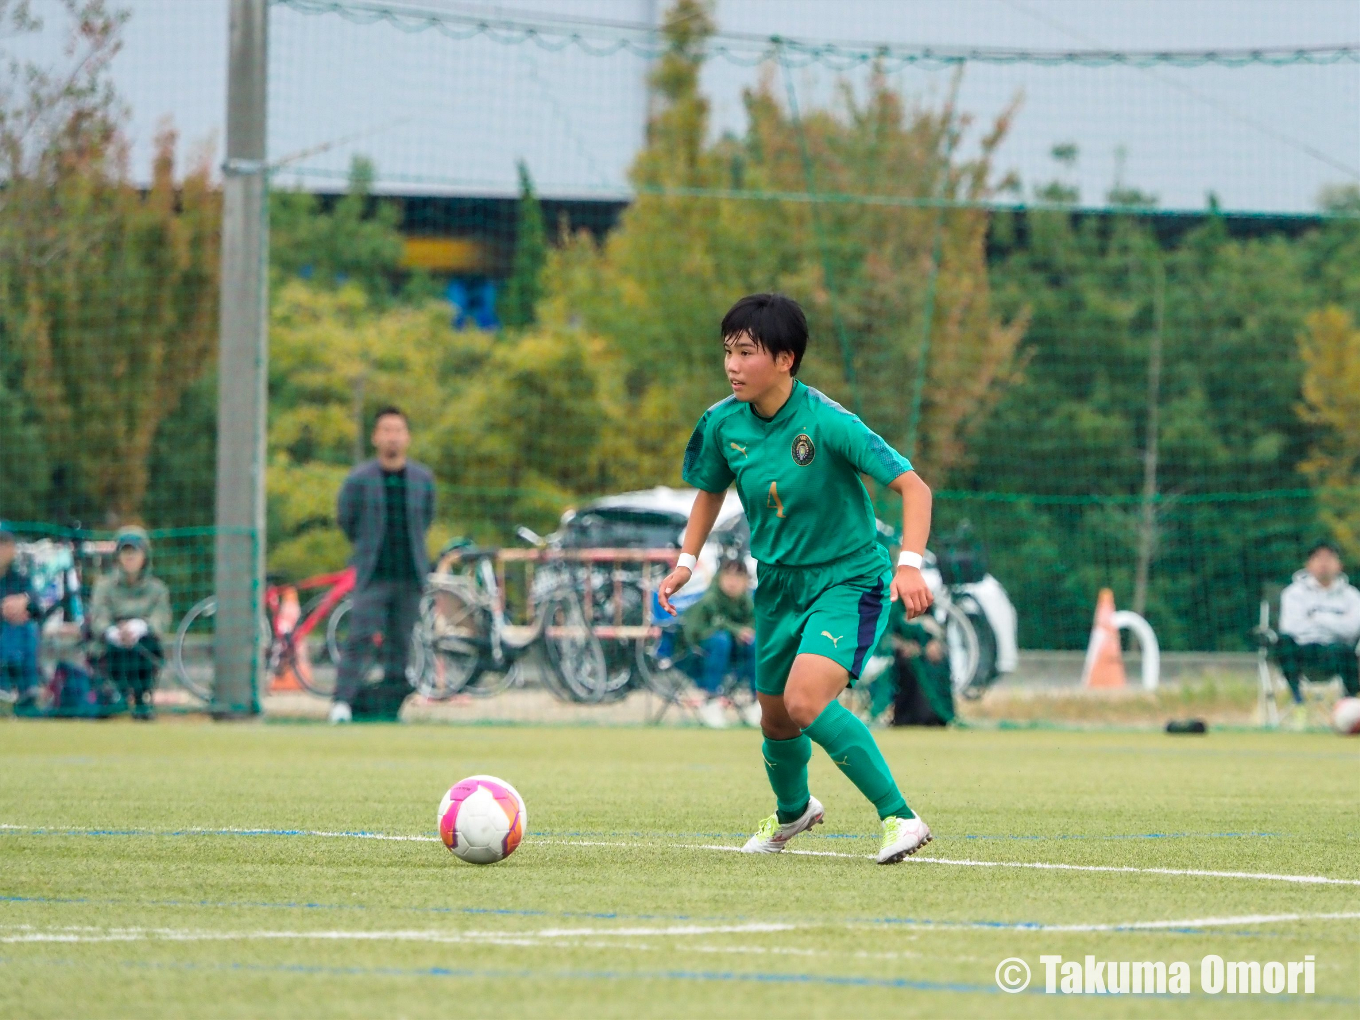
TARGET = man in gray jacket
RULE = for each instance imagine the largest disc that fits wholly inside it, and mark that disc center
(385, 508)
(1320, 623)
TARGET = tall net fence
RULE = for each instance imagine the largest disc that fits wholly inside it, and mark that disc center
(1106, 300)
(1075, 286)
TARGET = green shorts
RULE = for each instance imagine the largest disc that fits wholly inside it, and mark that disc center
(838, 610)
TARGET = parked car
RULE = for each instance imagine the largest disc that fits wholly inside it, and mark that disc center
(655, 519)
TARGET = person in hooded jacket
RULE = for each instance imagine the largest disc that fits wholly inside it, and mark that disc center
(719, 632)
(1320, 624)
(129, 618)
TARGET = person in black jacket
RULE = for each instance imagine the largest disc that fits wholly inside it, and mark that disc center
(385, 508)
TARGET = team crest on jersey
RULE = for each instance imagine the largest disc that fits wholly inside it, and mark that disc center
(803, 451)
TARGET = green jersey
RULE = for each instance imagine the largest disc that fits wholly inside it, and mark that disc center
(798, 474)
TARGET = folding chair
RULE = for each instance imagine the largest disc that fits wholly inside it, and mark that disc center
(1319, 695)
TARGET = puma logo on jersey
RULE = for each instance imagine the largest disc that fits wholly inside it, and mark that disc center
(740, 449)
(836, 641)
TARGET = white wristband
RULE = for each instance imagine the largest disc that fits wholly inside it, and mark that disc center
(687, 561)
(910, 559)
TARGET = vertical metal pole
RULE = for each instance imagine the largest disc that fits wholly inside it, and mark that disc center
(1147, 527)
(239, 566)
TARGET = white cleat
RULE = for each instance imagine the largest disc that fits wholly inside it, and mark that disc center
(340, 713)
(902, 837)
(771, 837)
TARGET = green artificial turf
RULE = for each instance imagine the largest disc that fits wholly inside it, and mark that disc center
(111, 906)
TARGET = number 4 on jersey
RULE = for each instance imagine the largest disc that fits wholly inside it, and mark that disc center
(773, 502)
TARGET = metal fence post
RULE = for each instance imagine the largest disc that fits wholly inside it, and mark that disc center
(243, 358)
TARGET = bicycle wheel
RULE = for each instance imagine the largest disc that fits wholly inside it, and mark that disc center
(962, 642)
(986, 673)
(657, 668)
(337, 636)
(614, 607)
(573, 650)
(488, 683)
(312, 659)
(193, 654)
(451, 631)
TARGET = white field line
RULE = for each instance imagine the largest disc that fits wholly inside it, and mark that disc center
(1264, 877)
(1036, 865)
(572, 937)
(29, 933)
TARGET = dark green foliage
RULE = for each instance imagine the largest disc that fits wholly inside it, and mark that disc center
(356, 241)
(24, 472)
(181, 485)
(518, 303)
(1075, 424)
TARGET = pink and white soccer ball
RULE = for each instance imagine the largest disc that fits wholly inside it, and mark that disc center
(1346, 716)
(482, 819)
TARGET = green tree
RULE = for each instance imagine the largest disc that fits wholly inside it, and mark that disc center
(530, 432)
(354, 242)
(519, 300)
(880, 281)
(1329, 347)
(50, 115)
(1106, 294)
(113, 307)
(336, 356)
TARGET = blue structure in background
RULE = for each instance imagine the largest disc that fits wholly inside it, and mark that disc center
(474, 302)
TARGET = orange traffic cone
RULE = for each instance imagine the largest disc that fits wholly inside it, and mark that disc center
(289, 613)
(1104, 660)
(284, 681)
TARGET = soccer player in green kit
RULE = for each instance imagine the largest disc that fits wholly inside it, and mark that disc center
(824, 580)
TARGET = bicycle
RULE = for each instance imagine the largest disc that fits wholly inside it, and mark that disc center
(470, 645)
(285, 636)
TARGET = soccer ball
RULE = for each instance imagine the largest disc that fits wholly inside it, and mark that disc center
(1346, 716)
(482, 819)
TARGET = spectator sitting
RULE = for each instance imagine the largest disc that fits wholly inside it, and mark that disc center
(719, 634)
(920, 692)
(129, 614)
(925, 693)
(1320, 624)
(18, 629)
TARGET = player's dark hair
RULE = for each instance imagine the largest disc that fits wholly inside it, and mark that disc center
(383, 412)
(772, 321)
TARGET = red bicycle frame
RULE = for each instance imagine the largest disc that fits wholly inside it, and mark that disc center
(288, 631)
(282, 602)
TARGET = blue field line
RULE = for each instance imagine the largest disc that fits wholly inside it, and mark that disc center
(581, 833)
(755, 977)
(59, 831)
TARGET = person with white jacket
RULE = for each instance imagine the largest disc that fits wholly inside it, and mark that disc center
(1320, 623)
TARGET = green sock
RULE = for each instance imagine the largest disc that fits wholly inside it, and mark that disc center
(852, 748)
(786, 764)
